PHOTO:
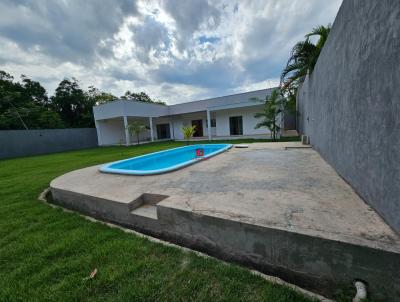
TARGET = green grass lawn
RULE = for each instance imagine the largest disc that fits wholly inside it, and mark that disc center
(46, 253)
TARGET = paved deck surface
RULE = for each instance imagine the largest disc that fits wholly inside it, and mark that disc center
(265, 185)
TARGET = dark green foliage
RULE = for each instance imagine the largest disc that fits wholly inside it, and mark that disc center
(98, 97)
(302, 59)
(25, 104)
(140, 97)
(72, 104)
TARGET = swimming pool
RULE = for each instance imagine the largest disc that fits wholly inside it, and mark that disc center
(164, 161)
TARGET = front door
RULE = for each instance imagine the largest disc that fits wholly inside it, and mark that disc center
(199, 128)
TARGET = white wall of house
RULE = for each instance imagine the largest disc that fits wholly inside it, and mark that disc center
(144, 109)
(186, 120)
(249, 121)
(110, 116)
(177, 125)
(112, 131)
(161, 121)
(109, 110)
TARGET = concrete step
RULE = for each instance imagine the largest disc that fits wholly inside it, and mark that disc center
(146, 205)
(289, 133)
(146, 210)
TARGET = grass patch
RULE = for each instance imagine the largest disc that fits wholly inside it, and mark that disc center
(45, 253)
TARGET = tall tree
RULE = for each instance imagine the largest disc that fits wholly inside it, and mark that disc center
(36, 92)
(140, 97)
(25, 105)
(72, 104)
(98, 97)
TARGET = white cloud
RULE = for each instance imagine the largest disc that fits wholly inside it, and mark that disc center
(174, 50)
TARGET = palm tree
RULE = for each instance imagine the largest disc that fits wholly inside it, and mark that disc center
(272, 108)
(137, 127)
(322, 32)
(302, 60)
(188, 132)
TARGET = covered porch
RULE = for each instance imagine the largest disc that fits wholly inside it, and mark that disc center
(114, 131)
(230, 121)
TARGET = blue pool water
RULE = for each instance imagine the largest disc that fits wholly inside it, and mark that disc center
(164, 161)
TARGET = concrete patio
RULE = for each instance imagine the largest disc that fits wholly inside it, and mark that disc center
(274, 206)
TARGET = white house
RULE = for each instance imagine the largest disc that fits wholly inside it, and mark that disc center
(223, 117)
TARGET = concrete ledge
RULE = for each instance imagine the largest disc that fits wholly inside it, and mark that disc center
(106, 210)
(318, 264)
(283, 212)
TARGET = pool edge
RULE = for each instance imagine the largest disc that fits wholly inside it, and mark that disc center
(105, 168)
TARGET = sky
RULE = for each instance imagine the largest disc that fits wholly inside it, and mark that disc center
(174, 50)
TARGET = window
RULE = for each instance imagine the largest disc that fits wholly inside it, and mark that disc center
(213, 123)
(236, 125)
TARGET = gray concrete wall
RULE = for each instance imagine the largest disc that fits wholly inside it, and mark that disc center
(15, 143)
(289, 120)
(350, 105)
(315, 263)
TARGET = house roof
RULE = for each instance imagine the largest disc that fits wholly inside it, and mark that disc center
(205, 104)
(140, 109)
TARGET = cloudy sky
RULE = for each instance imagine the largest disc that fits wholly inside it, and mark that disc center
(175, 50)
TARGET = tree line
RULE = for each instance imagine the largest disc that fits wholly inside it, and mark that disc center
(26, 104)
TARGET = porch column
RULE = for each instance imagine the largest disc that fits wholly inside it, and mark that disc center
(127, 136)
(151, 129)
(171, 129)
(98, 130)
(209, 124)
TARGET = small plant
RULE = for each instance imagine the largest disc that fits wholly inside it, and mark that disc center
(272, 108)
(188, 132)
(136, 128)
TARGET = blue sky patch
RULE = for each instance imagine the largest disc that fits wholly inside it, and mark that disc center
(204, 39)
